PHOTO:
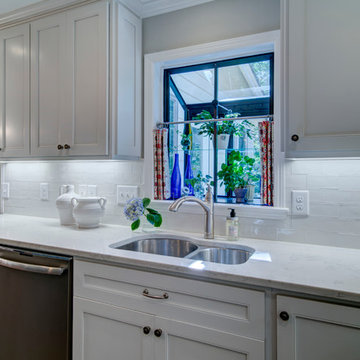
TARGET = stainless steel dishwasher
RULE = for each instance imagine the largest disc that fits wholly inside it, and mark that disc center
(35, 305)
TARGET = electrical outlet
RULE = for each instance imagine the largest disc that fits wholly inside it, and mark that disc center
(91, 190)
(125, 193)
(5, 190)
(300, 202)
(44, 191)
(83, 190)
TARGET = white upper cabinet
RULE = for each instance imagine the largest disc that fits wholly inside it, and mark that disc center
(69, 83)
(126, 86)
(85, 95)
(321, 51)
(85, 128)
(14, 92)
(48, 70)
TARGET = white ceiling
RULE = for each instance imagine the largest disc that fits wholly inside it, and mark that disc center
(10, 5)
(143, 8)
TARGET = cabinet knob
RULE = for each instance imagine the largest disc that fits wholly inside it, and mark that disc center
(67, 147)
(158, 332)
(295, 137)
(284, 316)
(146, 330)
(60, 147)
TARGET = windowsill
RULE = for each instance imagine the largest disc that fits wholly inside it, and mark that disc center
(242, 210)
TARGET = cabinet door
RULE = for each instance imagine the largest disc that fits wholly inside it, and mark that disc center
(184, 341)
(126, 84)
(48, 36)
(14, 92)
(86, 126)
(322, 52)
(317, 331)
(105, 332)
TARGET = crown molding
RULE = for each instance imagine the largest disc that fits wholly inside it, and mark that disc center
(148, 8)
(142, 8)
(38, 9)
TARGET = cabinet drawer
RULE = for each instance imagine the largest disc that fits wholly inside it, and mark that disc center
(220, 307)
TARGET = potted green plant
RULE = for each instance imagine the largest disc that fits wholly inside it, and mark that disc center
(237, 174)
(224, 128)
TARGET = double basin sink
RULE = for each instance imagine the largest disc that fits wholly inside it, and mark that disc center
(169, 245)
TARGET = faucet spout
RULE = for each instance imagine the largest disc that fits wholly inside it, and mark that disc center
(207, 205)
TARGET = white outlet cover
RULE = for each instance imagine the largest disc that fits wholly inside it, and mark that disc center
(300, 202)
(44, 191)
(83, 189)
(91, 190)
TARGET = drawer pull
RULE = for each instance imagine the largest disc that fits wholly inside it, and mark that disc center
(146, 330)
(159, 297)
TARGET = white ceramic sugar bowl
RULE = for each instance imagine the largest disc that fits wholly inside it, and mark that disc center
(64, 206)
(88, 211)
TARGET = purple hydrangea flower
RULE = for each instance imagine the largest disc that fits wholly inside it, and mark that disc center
(134, 208)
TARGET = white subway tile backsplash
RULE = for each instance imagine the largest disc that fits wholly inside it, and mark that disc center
(334, 187)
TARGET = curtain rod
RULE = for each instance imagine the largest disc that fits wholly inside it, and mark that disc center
(163, 124)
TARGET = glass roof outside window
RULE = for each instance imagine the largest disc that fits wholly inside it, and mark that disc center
(195, 86)
(244, 81)
(235, 82)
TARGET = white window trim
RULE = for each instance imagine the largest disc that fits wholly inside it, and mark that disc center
(155, 63)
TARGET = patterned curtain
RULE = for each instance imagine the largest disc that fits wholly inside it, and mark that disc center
(266, 136)
(161, 165)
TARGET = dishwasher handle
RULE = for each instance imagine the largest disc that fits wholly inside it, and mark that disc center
(39, 269)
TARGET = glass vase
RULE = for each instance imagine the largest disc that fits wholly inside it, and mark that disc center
(189, 175)
(176, 179)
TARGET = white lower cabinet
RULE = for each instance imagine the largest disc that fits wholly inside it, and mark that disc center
(106, 332)
(313, 330)
(114, 317)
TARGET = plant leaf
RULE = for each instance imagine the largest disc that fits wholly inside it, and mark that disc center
(135, 224)
(152, 211)
(146, 202)
(151, 218)
(158, 220)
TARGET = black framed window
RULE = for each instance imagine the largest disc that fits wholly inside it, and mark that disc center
(240, 87)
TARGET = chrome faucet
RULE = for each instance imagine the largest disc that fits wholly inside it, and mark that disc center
(207, 205)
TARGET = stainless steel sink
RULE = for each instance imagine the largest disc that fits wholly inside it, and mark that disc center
(226, 256)
(161, 246)
(182, 247)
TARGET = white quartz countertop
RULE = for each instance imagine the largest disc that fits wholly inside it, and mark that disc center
(317, 270)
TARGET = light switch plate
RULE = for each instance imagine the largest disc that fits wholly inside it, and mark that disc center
(5, 190)
(125, 193)
(300, 202)
(44, 191)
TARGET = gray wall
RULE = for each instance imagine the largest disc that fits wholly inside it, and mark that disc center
(216, 20)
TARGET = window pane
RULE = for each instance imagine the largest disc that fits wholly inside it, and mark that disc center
(196, 86)
(244, 81)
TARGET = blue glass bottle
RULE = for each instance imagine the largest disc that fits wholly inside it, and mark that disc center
(189, 175)
(176, 180)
